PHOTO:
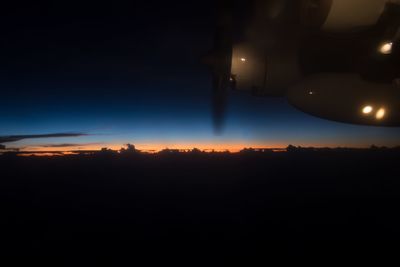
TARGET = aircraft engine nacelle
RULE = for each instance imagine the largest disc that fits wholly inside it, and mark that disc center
(342, 15)
(264, 72)
(347, 98)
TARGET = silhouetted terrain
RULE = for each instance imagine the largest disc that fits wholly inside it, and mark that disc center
(191, 207)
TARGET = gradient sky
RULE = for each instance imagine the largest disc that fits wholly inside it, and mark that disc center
(132, 74)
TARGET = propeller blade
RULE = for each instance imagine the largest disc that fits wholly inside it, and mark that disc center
(219, 104)
(221, 62)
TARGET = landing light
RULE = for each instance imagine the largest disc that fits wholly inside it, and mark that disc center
(386, 48)
(367, 109)
(380, 114)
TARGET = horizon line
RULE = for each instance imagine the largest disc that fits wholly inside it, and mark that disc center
(188, 150)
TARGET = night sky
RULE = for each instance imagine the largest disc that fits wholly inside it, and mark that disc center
(132, 74)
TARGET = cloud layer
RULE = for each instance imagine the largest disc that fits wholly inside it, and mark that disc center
(68, 145)
(15, 138)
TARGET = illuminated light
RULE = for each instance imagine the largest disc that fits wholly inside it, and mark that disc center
(380, 114)
(243, 59)
(386, 48)
(367, 110)
(311, 93)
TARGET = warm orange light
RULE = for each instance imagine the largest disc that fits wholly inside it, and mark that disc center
(380, 114)
(386, 48)
(367, 109)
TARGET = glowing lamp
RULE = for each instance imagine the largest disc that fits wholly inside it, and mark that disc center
(386, 48)
(367, 110)
(380, 114)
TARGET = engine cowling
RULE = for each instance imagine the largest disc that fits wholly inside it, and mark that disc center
(347, 98)
(341, 15)
(265, 72)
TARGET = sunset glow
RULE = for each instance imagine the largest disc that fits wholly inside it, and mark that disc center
(232, 147)
(156, 147)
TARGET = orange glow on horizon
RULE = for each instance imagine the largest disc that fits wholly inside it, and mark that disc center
(232, 147)
(156, 147)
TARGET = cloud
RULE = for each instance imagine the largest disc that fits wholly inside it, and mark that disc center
(14, 138)
(68, 145)
(62, 145)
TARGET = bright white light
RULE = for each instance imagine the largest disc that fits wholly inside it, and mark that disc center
(380, 114)
(386, 48)
(243, 59)
(367, 109)
(310, 92)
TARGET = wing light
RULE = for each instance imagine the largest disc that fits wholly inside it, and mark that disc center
(367, 110)
(386, 48)
(380, 114)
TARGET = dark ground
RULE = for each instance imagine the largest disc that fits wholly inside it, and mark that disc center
(201, 208)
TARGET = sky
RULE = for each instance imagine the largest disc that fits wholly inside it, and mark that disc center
(132, 73)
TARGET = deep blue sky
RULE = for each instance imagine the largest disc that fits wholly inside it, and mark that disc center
(132, 73)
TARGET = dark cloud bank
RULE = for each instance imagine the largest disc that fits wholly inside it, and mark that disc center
(15, 138)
